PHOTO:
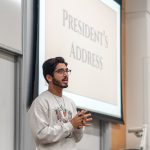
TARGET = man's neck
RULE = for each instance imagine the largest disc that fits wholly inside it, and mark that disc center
(56, 91)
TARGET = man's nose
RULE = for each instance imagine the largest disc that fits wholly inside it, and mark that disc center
(65, 73)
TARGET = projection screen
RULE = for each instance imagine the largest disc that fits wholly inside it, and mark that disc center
(87, 34)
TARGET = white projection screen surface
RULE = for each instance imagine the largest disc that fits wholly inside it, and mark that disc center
(87, 34)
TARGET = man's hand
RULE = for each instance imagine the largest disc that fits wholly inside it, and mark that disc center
(81, 119)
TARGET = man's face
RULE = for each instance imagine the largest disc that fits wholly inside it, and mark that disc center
(60, 78)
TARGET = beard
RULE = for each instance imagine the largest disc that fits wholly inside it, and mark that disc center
(58, 83)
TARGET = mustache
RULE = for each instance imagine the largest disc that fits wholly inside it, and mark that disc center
(65, 79)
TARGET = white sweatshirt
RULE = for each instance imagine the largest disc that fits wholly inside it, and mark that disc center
(51, 127)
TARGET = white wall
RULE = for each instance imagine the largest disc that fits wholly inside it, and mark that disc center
(10, 50)
(7, 101)
(137, 66)
(11, 24)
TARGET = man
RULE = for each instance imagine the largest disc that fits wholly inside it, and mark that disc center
(54, 121)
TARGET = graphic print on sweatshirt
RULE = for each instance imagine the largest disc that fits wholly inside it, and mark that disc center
(63, 115)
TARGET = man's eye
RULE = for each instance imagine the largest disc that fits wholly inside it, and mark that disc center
(61, 70)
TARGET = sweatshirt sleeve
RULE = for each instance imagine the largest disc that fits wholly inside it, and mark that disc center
(41, 129)
(78, 133)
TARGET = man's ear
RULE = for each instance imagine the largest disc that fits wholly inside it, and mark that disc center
(49, 78)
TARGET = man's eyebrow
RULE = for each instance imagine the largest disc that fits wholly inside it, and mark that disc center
(61, 68)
